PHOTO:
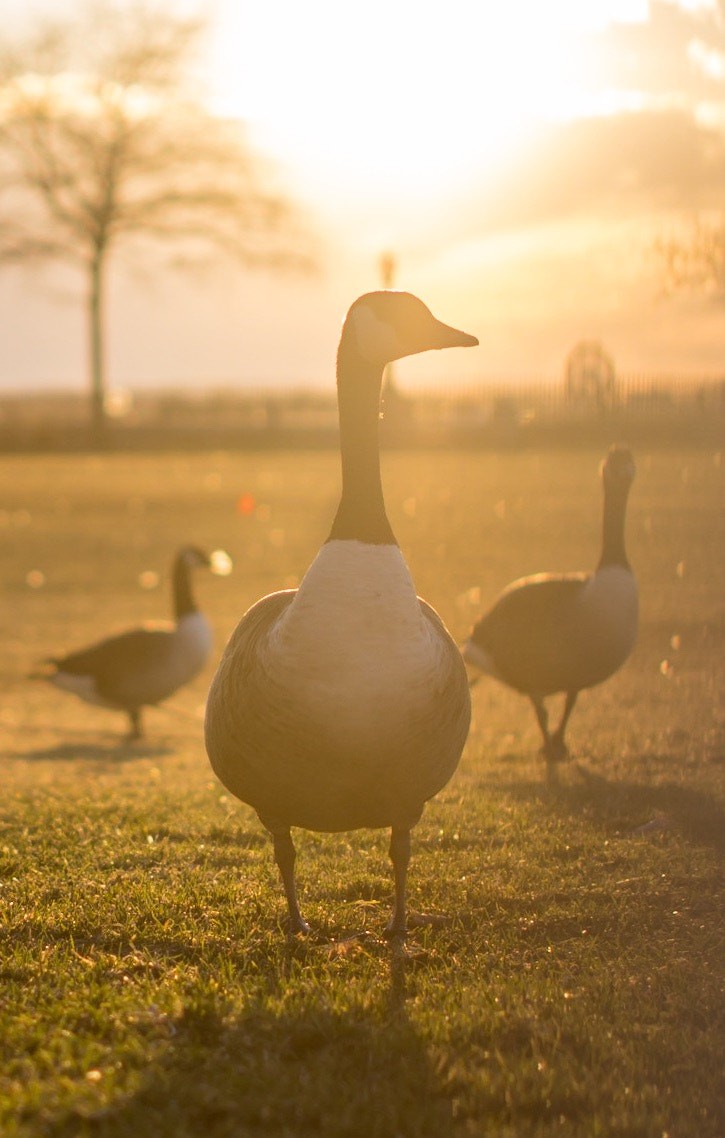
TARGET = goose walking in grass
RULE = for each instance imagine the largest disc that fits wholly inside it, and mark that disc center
(344, 704)
(144, 665)
(553, 633)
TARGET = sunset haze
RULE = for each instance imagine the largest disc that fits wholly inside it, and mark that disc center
(520, 162)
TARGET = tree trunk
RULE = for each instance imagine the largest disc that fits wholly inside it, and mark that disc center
(97, 361)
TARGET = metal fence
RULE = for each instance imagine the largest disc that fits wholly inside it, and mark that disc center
(496, 412)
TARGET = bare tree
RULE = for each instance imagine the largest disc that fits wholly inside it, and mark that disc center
(696, 261)
(102, 140)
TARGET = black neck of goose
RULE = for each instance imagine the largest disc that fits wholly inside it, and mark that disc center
(615, 509)
(183, 600)
(361, 514)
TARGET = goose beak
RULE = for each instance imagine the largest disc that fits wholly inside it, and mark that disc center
(220, 563)
(447, 337)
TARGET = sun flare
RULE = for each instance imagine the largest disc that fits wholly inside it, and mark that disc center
(398, 100)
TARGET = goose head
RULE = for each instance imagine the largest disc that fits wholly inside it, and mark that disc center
(192, 557)
(384, 326)
(188, 558)
(618, 469)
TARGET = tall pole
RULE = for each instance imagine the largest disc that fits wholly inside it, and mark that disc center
(387, 269)
(387, 276)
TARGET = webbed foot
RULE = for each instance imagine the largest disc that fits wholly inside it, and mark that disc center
(296, 926)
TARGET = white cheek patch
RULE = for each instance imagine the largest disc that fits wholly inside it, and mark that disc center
(376, 340)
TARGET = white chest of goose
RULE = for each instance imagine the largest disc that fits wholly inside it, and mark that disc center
(564, 632)
(344, 704)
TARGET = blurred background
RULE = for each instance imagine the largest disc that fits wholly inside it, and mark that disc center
(192, 194)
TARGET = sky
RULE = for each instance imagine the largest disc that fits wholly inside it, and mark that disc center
(518, 159)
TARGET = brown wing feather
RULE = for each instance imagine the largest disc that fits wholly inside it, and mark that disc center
(127, 669)
(530, 633)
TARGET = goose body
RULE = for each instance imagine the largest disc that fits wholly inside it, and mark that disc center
(342, 692)
(145, 665)
(344, 704)
(552, 633)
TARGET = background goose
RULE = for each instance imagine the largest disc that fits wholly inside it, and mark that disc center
(148, 664)
(344, 704)
(564, 632)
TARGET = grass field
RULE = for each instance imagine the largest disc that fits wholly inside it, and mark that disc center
(572, 981)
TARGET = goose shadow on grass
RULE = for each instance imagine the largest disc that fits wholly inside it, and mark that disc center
(315, 1070)
(634, 809)
(114, 748)
(312, 1071)
(76, 739)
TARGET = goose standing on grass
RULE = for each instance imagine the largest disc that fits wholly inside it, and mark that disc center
(344, 704)
(553, 633)
(145, 665)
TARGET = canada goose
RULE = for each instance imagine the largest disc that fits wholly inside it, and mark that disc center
(564, 632)
(344, 704)
(144, 665)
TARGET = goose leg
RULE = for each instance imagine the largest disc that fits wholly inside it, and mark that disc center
(557, 739)
(136, 731)
(549, 750)
(285, 856)
(400, 856)
(542, 718)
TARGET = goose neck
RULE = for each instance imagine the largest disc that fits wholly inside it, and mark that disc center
(184, 602)
(361, 513)
(613, 519)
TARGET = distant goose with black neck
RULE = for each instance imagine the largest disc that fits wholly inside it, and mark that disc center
(144, 665)
(344, 704)
(552, 633)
